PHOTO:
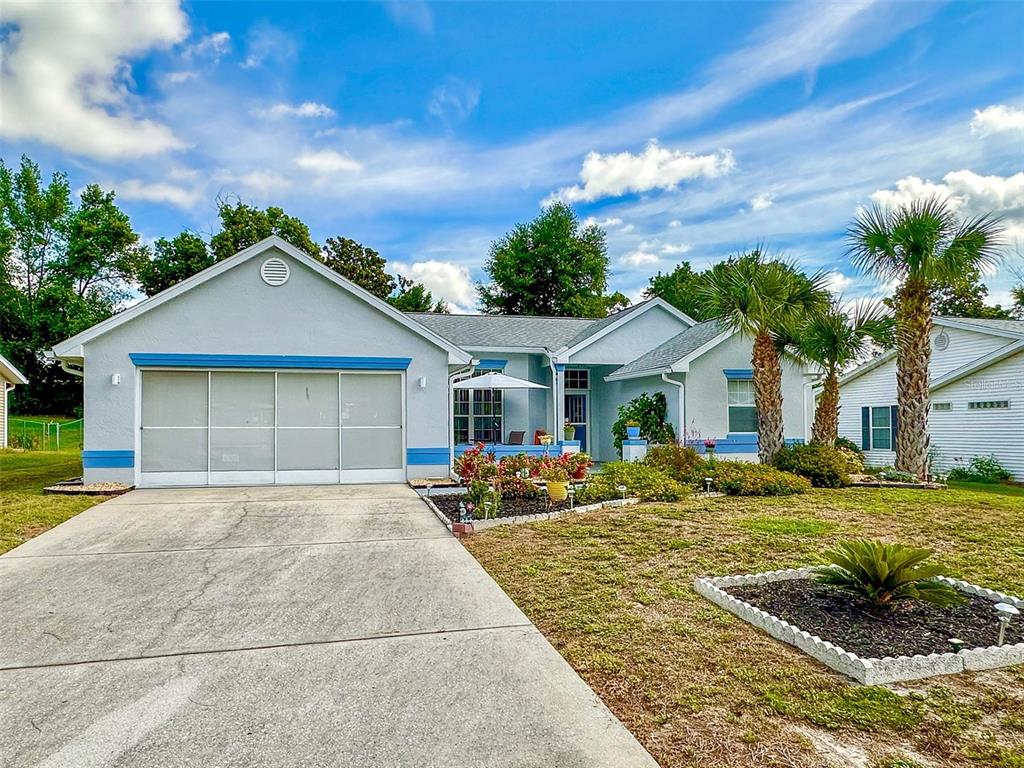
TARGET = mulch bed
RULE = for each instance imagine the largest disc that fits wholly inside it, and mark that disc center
(510, 507)
(857, 626)
(77, 488)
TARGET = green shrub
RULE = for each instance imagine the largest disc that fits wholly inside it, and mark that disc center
(981, 469)
(647, 412)
(642, 481)
(892, 475)
(741, 478)
(886, 573)
(846, 444)
(854, 461)
(676, 461)
(823, 465)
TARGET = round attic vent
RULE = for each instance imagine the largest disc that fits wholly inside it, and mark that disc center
(941, 342)
(274, 272)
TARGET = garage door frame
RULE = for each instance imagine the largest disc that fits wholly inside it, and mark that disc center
(275, 476)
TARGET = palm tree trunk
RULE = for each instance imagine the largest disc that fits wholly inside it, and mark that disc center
(767, 397)
(913, 353)
(826, 414)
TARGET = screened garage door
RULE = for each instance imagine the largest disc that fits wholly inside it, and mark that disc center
(261, 427)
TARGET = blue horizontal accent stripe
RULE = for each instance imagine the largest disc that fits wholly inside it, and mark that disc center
(422, 456)
(108, 459)
(569, 442)
(738, 373)
(742, 437)
(634, 442)
(166, 360)
(501, 451)
(493, 363)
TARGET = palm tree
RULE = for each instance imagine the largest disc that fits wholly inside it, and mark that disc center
(764, 299)
(920, 245)
(835, 339)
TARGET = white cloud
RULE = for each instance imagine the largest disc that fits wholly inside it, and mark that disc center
(657, 167)
(454, 100)
(612, 222)
(837, 282)
(444, 279)
(158, 192)
(639, 258)
(998, 118)
(327, 161)
(305, 109)
(212, 46)
(266, 42)
(177, 78)
(262, 182)
(970, 193)
(65, 79)
(675, 223)
(411, 13)
(675, 250)
(761, 201)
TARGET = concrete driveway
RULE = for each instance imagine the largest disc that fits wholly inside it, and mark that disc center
(280, 626)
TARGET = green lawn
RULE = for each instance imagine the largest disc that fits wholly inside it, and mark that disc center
(612, 590)
(24, 510)
(41, 433)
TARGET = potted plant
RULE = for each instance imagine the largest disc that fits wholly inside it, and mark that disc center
(632, 429)
(557, 481)
(709, 447)
(577, 464)
(546, 439)
(569, 431)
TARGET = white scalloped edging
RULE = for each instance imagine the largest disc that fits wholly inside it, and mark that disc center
(869, 671)
(480, 525)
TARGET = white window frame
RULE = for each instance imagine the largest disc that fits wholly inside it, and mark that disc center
(988, 405)
(729, 406)
(888, 428)
(472, 400)
(579, 373)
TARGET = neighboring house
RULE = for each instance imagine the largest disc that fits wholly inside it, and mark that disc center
(977, 394)
(268, 367)
(9, 378)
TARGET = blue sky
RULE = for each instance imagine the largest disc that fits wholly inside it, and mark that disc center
(689, 130)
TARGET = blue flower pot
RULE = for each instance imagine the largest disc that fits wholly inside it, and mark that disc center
(633, 433)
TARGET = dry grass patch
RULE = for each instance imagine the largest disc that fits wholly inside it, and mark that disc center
(612, 591)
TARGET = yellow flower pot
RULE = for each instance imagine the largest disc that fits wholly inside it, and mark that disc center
(558, 491)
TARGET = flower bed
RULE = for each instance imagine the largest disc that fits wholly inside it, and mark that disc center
(907, 644)
(448, 503)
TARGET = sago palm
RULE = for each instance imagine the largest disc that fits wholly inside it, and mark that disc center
(835, 339)
(920, 245)
(764, 299)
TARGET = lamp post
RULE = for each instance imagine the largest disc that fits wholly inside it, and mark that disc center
(1005, 613)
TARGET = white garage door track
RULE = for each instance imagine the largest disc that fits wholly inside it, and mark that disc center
(279, 626)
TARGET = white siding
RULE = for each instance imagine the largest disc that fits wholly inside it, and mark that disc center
(3, 413)
(875, 388)
(960, 434)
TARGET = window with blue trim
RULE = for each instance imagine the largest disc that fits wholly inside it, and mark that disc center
(477, 413)
(881, 428)
(742, 406)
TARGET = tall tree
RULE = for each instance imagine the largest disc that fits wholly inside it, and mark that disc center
(414, 297)
(681, 288)
(765, 299)
(173, 261)
(244, 225)
(550, 266)
(835, 339)
(64, 267)
(922, 245)
(363, 266)
(965, 297)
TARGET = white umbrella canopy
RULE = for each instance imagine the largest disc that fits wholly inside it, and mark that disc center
(496, 381)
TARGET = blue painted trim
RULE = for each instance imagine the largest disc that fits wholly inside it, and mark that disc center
(501, 451)
(735, 443)
(108, 459)
(163, 360)
(744, 374)
(577, 443)
(420, 456)
(634, 442)
(492, 363)
(559, 366)
(742, 437)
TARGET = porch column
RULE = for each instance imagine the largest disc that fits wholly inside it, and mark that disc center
(558, 392)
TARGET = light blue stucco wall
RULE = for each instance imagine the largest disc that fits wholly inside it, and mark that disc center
(639, 335)
(237, 313)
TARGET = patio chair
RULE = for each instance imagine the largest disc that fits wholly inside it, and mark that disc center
(516, 438)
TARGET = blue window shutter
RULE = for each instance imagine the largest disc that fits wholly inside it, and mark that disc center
(895, 421)
(865, 428)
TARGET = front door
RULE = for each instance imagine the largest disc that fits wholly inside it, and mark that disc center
(577, 412)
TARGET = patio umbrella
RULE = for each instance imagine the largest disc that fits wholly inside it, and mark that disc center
(496, 381)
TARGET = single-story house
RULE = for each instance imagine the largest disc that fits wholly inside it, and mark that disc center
(10, 377)
(977, 394)
(268, 367)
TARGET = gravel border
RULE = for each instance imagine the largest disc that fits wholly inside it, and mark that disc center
(870, 671)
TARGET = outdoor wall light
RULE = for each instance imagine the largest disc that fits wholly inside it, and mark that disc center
(1005, 612)
(115, 379)
(423, 382)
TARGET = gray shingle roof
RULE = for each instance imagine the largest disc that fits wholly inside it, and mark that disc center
(673, 350)
(505, 330)
(1013, 326)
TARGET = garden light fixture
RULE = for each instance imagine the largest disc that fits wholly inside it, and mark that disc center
(622, 490)
(1005, 612)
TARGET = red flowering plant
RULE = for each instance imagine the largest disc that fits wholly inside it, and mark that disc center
(477, 463)
(577, 464)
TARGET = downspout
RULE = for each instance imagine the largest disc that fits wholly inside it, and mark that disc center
(79, 372)
(554, 392)
(682, 406)
(452, 378)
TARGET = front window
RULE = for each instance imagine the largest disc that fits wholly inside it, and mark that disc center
(881, 428)
(577, 378)
(477, 413)
(742, 408)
